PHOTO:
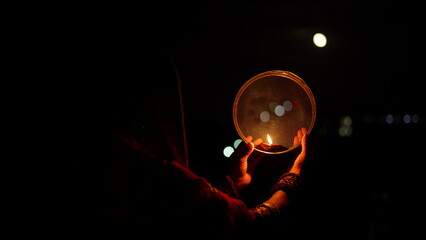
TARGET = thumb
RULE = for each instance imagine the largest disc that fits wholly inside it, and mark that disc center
(300, 159)
(243, 151)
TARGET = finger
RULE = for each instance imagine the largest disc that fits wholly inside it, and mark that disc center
(245, 154)
(249, 138)
(303, 143)
(304, 131)
(301, 157)
(295, 140)
(303, 139)
(299, 134)
(243, 151)
(253, 160)
(257, 142)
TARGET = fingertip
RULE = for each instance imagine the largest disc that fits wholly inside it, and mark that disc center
(249, 138)
(247, 149)
(257, 142)
(304, 139)
(295, 140)
(299, 134)
(249, 145)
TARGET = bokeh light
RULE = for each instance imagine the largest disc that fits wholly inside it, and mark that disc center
(237, 142)
(264, 116)
(227, 151)
(320, 40)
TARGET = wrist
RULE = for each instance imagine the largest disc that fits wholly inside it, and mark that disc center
(266, 210)
(290, 183)
(242, 181)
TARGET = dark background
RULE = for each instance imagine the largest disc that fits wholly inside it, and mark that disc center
(363, 186)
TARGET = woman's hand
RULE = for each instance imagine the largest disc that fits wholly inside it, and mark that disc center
(243, 162)
(301, 138)
(281, 197)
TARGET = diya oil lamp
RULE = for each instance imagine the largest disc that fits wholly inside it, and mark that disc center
(271, 147)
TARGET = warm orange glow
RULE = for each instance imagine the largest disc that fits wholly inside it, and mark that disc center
(269, 139)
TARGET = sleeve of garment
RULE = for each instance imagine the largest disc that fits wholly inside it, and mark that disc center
(213, 209)
(227, 185)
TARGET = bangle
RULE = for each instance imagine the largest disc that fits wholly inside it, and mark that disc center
(289, 183)
(274, 209)
(266, 209)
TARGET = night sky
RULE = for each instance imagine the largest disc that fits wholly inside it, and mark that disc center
(365, 185)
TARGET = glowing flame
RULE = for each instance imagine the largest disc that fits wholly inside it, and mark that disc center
(269, 139)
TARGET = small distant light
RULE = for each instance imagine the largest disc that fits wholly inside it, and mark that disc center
(389, 119)
(406, 118)
(346, 121)
(320, 40)
(415, 118)
(345, 131)
(227, 151)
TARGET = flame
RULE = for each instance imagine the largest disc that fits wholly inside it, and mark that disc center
(269, 139)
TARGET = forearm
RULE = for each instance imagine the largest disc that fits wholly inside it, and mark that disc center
(280, 199)
(282, 193)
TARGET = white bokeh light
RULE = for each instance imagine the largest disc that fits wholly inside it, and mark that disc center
(320, 40)
(406, 118)
(279, 110)
(389, 119)
(264, 116)
(227, 151)
(237, 142)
